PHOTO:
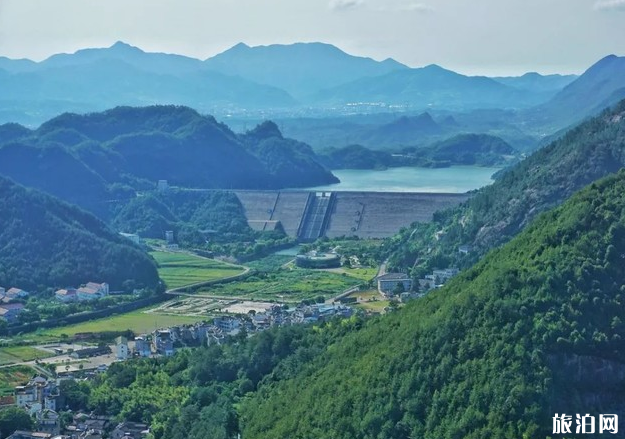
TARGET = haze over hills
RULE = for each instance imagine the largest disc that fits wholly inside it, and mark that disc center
(430, 87)
(279, 79)
(498, 212)
(48, 243)
(301, 69)
(601, 86)
(114, 153)
(537, 83)
(463, 149)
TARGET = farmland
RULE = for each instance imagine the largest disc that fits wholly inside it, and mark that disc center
(13, 376)
(289, 284)
(136, 321)
(15, 354)
(181, 269)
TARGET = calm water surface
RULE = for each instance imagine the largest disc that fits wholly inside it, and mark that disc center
(455, 179)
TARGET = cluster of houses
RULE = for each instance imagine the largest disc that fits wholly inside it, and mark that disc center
(90, 291)
(9, 309)
(400, 285)
(41, 398)
(437, 279)
(163, 341)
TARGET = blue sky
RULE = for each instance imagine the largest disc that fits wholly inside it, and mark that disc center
(475, 37)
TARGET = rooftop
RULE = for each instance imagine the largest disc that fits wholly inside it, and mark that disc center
(394, 276)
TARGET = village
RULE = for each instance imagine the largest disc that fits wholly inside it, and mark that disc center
(80, 359)
(42, 397)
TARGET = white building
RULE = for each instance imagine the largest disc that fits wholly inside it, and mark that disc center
(25, 395)
(66, 295)
(132, 236)
(121, 348)
(142, 347)
(388, 283)
(92, 291)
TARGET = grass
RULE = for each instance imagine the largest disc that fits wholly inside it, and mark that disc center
(362, 274)
(16, 354)
(291, 285)
(270, 263)
(370, 301)
(137, 321)
(181, 269)
(13, 376)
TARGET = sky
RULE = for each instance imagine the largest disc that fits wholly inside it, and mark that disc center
(486, 37)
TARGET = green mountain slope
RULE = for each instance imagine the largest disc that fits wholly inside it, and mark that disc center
(47, 243)
(498, 212)
(533, 329)
(93, 158)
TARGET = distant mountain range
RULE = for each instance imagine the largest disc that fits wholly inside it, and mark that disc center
(301, 69)
(430, 87)
(277, 79)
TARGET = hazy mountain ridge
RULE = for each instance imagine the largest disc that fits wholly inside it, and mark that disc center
(301, 69)
(602, 85)
(430, 87)
(462, 149)
(243, 79)
(535, 82)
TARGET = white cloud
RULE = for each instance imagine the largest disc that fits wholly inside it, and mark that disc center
(342, 5)
(417, 7)
(602, 5)
(381, 5)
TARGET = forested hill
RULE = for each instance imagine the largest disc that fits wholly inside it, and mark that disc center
(95, 157)
(498, 212)
(46, 243)
(534, 329)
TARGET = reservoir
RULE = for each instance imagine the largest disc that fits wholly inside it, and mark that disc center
(455, 179)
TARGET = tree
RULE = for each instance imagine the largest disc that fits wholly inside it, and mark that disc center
(12, 419)
(399, 288)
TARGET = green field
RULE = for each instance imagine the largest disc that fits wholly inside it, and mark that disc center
(137, 321)
(370, 301)
(291, 285)
(16, 354)
(362, 274)
(13, 376)
(180, 269)
(270, 263)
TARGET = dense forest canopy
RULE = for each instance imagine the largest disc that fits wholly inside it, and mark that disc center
(194, 216)
(47, 243)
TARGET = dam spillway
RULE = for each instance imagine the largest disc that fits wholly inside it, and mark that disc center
(309, 215)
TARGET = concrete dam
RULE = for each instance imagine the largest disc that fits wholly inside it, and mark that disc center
(311, 215)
